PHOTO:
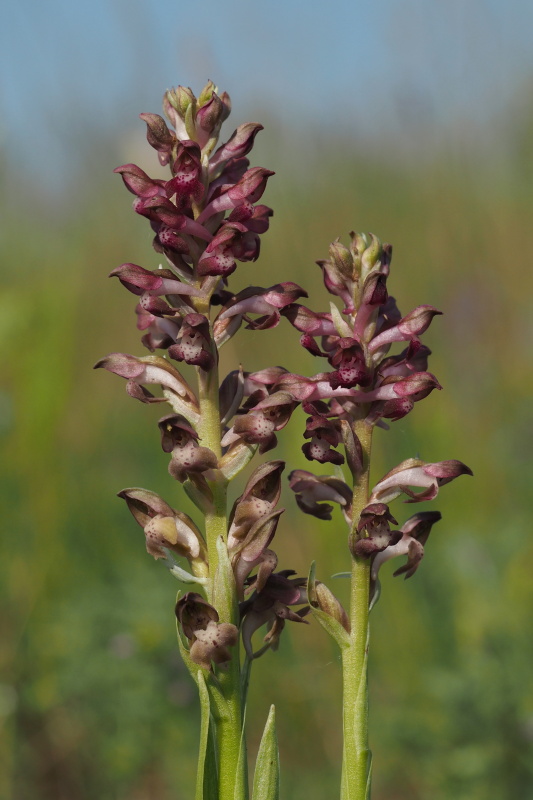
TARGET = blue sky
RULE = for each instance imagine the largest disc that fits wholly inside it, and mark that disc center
(415, 68)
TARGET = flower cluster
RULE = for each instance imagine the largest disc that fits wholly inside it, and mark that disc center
(206, 218)
(365, 386)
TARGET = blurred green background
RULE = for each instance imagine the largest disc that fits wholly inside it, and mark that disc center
(94, 701)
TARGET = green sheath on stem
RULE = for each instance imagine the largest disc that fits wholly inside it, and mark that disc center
(356, 757)
(232, 775)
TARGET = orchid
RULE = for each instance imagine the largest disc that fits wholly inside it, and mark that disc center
(206, 219)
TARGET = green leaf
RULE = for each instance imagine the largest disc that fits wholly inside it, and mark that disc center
(343, 329)
(182, 574)
(241, 784)
(236, 459)
(207, 775)
(377, 595)
(203, 500)
(181, 406)
(329, 623)
(311, 580)
(334, 628)
(224, 585)
(369, 775)
(245, 679)
(266, 776)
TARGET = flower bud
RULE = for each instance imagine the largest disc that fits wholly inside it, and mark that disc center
(325, 600)
(342, 259)
(159, 136)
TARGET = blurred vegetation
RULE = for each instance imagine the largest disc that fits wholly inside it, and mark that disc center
(94, 701)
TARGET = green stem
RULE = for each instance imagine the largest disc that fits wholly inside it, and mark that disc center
(233, 780)
(209, 433)
(356, 754)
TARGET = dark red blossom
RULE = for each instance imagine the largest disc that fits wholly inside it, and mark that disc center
(325, 435)
(270, 606)
(180, 439)
(311, 490)
(186, 185)
(414, 472)
(193, 343)
(348, 359)
(375, 520)
(233, 242)
(159, 136)
(259, 425)
(256, 300)
(209, 639)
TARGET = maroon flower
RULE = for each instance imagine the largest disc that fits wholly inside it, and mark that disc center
(310, 490)
(233, 242)
(259, 425)
(409, 327)
(238, 145)
(375, 520)
(413, 359)
(270, 607)
(209, 640)
(248, 189)
(166, 528)
(414, 535)
(268, 302)
(310, 322)
(161, 331)
(324, 434)
(349, 360)
(160, 282)
(179, 438)
(253, 523)
(149, 369)
(414, 472)
(186, 185)
(159, 136)
(260, 497)
(193, 344)
(139, 183)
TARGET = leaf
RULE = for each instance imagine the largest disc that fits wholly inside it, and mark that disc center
(207, 774)
(241, 784)
(369, 775)
(224, 585)
(181, 406)
(182, 574)
(266, 776)
(245, 678)
(203, 500)
(236, 459)
(375, 596)
(329, 623)
(342, 327)
(334, 628)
